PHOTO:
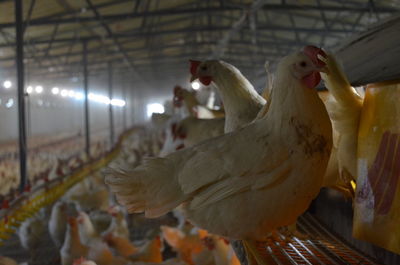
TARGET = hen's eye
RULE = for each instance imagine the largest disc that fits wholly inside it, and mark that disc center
(303, 64)
(204, 68)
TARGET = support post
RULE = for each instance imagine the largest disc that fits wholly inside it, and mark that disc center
(86, 89)
(110, 107)
(124, 110)
(21, 98)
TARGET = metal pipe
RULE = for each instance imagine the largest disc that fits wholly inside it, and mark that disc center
(86, 89)
(20, 86)
(124, 85)
(110, 107)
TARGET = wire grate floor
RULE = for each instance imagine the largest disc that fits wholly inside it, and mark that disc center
(320, 246)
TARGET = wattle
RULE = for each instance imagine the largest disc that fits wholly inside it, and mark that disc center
(312, 80)
(205, 80)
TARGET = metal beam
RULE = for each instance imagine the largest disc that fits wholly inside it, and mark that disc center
(196, 29)
(110, 106)
(86, 91)
(19, 33)
(206, 10)
(28, 17)
(160, 47)
(124, 96)
(111, 35)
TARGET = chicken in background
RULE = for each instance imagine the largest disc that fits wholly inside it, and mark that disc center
(172, 142)
(222, 251)
(98, 250)
(72, 248)
(149, 252)
(228, 192)
(31, 232)
(87, 232)
(118, 225)
(120, 245)
(58, 223)
(241, 100)
(193, 130)
(193, 106)
(186, 244)
(344, 107)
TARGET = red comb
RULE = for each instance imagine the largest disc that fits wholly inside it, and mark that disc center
(193, 66)
(312, 52)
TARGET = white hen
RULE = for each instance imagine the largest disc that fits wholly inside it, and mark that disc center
(241, 100)
(229, 192)
(58, 223)
(72, 248)
(31, 232)
(192, 130)
(118, 226)
(87, 231)
(344, 107)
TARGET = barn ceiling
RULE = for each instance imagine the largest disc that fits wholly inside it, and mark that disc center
(152, 40)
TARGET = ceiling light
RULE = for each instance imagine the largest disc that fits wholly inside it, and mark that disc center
(64, 92)
(55, 90)
(38, 89)
(7, 84)
(154, 108)
(29, 89)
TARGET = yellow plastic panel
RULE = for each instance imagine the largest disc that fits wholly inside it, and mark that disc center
(377, 203)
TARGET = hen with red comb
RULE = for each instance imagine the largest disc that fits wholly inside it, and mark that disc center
(249, 182)
(241, 100)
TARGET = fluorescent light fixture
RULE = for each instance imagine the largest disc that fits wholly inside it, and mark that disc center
(64, 92)
(29, 89)
(79, 95)
(71, 93)
(55, 90)
(195, 85)
(118, 102)
(154, 108)
(38, 89)
(99, 98)
(7, 84)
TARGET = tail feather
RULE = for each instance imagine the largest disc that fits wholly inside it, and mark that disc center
(150, 188)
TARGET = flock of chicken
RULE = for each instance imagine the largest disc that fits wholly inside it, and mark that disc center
(87, 227)
(239, 173)
(48, 158)
(266, 159)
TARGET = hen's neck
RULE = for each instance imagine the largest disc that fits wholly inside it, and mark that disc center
(241, 100)
(72, 238)
(291, 99)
